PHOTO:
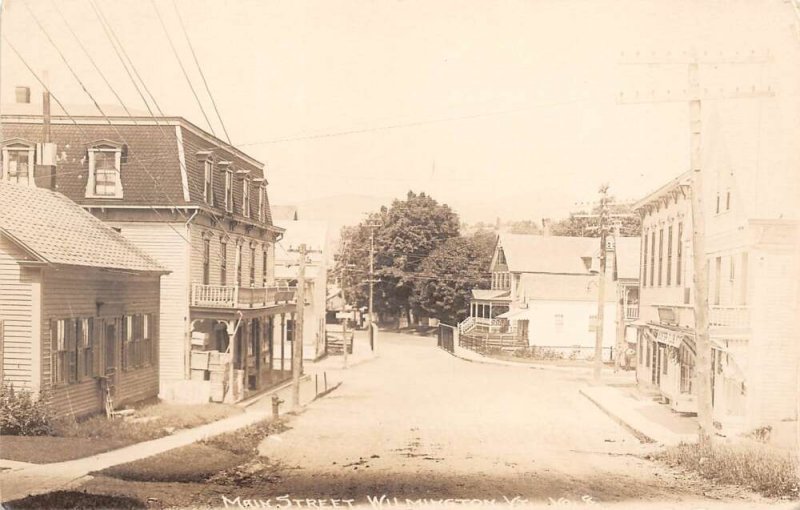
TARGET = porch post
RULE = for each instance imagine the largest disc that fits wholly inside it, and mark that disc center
(490, 310)
(283, 337)
(230, 326)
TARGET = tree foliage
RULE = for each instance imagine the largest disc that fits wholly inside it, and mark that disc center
(579, 225)
(409, 231)
(524, 227)
(451, 271)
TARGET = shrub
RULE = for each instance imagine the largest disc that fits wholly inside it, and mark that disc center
(24, 414)
(755, 466)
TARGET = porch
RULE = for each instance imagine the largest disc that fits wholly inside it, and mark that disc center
(722, 319)
(236, 353)
(232, 296)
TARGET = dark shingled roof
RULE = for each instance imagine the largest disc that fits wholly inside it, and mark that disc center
(58, 231)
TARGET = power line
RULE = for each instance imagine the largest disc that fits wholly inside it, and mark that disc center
(86, 90)
(409, 124)
(77, 125)
(122, 55)
(86, 52)
(183, 69)
(119, 49)
(199, 68)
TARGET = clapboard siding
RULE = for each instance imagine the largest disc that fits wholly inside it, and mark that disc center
(233, 237)
(16, 312)
(74, 293)
(167, 243)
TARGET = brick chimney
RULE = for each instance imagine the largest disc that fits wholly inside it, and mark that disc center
(45, 169)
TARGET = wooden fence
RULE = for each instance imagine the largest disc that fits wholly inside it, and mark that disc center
(446, 337)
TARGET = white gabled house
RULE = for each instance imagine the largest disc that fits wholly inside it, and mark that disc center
(544, 294)
(79, 305)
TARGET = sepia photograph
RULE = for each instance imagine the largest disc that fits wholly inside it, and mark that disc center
(400, 254)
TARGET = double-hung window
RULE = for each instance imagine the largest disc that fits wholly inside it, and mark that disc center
(18, 159)
(208, 181)
(206, 261)
(262, 203)
(246, 198)
(239, 265)
(229, 191)
(105, 159)
(86, 343)
(264, 261)
(223, 263)
(252, 266)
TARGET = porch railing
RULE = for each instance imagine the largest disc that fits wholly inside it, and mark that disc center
(231, 296)
(632, 312)
(466, 324)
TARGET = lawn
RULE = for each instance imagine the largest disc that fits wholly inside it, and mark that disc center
(216, 457)
(192, 476)
(97, 434)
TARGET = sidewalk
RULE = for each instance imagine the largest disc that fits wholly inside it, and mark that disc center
(609, 376)
(647, 419)
(21, 479)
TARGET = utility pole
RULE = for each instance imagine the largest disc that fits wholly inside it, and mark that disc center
(343, 268)
(601, 286)
(700, 277)
(621, 344)
(297, 341)
(372, 227)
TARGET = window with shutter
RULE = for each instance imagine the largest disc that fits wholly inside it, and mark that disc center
(72, 351)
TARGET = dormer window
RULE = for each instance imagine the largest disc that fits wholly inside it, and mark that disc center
(229, 190)
(104, 171)
(208, 181)
(262, 203)
(18, 160)
(246, 198)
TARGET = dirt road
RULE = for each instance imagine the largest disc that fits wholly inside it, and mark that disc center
(419, 423)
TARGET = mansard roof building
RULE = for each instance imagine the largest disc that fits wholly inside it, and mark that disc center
(198, 206)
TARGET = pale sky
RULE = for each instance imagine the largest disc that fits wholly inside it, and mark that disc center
(499, 108)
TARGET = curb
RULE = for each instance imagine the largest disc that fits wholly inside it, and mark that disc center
(515, 364)
(638, 434)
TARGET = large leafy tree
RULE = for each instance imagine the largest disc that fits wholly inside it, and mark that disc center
(409, 231)
(586, 223)
(449, 274)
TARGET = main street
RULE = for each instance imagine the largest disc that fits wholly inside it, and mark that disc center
(420, 423)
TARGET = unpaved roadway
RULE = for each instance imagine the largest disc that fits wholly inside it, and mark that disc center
(419, 423)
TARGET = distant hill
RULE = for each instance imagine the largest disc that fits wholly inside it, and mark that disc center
(338, 210)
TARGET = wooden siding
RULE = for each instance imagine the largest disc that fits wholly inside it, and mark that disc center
(74, 293)
(215, 234)
(167, 244)
(16, 312)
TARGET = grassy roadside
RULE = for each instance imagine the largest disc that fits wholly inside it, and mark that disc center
(76, 439)
(768, 471)
(190, 476)
(219, 459)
